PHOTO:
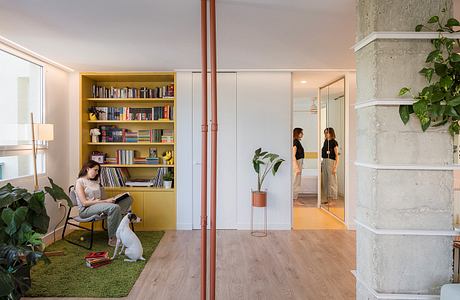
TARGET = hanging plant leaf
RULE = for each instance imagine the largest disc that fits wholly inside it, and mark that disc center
(446, 82)
(404, 113)
(433, 55)
(404, 91)
(452, 22)
(440, 69)
(433, 19)
(454, 101)
(418, 28)
(454, 57)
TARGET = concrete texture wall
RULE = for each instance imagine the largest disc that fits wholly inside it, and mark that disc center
(396, 15)
(400, 198)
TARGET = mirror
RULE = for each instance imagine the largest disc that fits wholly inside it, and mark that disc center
(332, 143)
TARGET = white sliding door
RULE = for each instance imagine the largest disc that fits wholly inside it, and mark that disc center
(226, 147)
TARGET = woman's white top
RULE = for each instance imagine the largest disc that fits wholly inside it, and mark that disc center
(91, 188)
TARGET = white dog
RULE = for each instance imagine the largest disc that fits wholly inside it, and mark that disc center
(128, 240)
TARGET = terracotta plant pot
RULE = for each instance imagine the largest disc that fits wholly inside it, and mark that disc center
(259, 199)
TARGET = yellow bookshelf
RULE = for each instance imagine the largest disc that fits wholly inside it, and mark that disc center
(155, 205)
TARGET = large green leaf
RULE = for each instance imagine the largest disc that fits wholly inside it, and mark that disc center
(454, 102)
(13, 219)
(428, 73)
(419, 27)
(276, 166)
(446, 82)
(6, 284)
(454, 57)
(431, 57)
(57, 192)
(452, 22)
(440, 69)
(404, 113)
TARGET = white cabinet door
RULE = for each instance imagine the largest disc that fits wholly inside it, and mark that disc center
(226, 150)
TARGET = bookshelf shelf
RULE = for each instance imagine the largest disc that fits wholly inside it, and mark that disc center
(131, 144)
(131, 121)
(131, 100)
(136, 166)
(155, 205)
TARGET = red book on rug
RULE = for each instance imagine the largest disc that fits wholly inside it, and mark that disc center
(100, 254)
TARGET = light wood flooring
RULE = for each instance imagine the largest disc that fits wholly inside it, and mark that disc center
(303, 265)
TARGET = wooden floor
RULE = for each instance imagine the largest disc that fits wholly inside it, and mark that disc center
(311, 264)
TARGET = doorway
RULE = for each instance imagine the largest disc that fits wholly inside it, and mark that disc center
(307, 212)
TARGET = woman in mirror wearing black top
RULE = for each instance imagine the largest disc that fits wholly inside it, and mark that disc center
(297, 160)
(330, 155)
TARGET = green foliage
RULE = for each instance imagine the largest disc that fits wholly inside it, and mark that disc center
(23, 221)
(168, 176)
(263, 162)
(438, 103)
(15, 264)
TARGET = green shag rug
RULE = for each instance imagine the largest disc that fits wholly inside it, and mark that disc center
(68, 276)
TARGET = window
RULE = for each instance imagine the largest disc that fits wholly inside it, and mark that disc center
(21, 86)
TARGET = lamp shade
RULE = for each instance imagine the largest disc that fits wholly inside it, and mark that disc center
(44, 132)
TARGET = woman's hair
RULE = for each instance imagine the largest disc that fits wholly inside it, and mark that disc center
(89, 165)
(296, 132)
(331, 132)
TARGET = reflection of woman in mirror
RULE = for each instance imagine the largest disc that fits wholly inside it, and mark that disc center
(330, 155)
(297, 160)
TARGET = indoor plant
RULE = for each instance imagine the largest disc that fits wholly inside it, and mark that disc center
(263, 162)
(167, 180)
(439, 102)
(23, 221)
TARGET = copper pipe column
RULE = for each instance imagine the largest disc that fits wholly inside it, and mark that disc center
(212, 33)
(204, 147)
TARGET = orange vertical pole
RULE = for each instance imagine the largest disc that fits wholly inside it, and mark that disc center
(212, 38)
(204, 147)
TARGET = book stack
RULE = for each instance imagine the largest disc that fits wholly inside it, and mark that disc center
(152, 160)
(97, 259)
(130, 137)
(144, 135)
(167, 136)
(140, 160)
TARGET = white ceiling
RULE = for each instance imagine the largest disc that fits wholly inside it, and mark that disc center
(97, 35)
(314, 80)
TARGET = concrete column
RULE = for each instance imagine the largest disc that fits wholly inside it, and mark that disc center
(399, 198)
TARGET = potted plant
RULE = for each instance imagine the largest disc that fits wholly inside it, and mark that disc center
(263, 162)
(23, 221)
(168, 180)
(94, 113)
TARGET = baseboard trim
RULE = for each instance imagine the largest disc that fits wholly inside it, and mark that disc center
(48, 238)
(184, 226)
(395, 295)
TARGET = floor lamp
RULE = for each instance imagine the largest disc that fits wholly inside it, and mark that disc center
(40, 132)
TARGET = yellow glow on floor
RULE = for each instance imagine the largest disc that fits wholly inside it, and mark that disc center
(314, 218)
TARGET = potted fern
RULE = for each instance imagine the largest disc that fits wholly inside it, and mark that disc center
(263, 162)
